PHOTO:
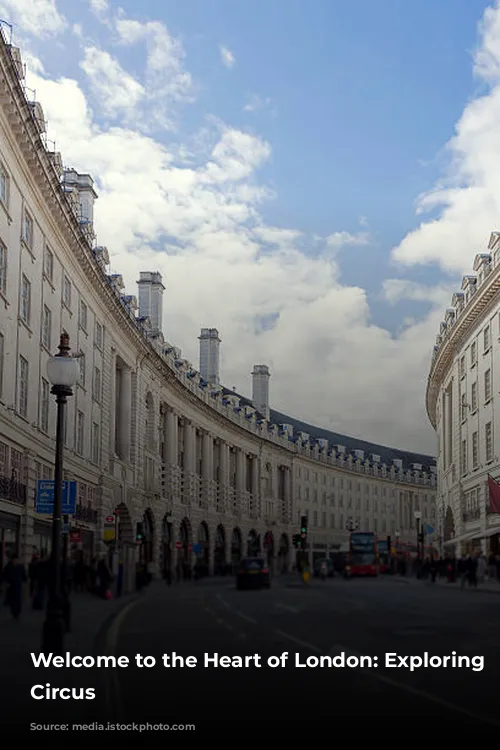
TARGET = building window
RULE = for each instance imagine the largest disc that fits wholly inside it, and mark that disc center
(463, 457)
(473, 354)
(488, 439)
(80, 432)
(83, 316)
(46, 327)
(487, 385)
(473, 396)
(81, 361)
(25, 300)
(3, 268)
(463, 407)
(486, 338)
(4, 185)
(95, 442)
(49, 264)
(99, 335)
(67, 292)
(475, 450)
(44, 405)
(28, 230)
(462, 366)
(23, 386)
(96, 387)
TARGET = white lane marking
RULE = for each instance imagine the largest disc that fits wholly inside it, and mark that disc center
(338, 648)
(279, 605)
(245, 617)
(309, 646)
(113, 683)
(223, 602)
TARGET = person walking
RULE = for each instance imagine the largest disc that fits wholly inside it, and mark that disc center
(14, 575)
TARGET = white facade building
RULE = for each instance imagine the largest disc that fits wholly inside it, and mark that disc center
(181, 461)
(463, 406)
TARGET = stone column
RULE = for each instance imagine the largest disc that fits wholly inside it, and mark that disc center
(224, 464)
(240, 470)
(172, 428)
(189, 447)
(255, 479)
(112, 405)
(287, 503)
(125, 412)
(207, 457)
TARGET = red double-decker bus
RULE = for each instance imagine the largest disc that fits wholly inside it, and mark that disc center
(362, 554)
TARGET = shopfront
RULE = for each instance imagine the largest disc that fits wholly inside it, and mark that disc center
(42, 538)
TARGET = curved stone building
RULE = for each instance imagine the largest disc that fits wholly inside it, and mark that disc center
(187, 467)
(462, 398)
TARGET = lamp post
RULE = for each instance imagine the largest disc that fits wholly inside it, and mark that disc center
(417, 515)
(62, 371)
(351, 524)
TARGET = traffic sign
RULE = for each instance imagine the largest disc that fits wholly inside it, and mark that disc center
(196, 548)
(75, 536)
(178, 545)
(110, 519)
(65, 527)
(45, 497)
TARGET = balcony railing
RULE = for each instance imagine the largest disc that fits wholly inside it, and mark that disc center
(471, 515)
(85, 513)
(12, 490)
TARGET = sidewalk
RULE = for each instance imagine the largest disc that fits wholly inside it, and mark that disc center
(488, 587)
(19, 639)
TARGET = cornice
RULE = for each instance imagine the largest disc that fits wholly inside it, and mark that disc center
(475, 311)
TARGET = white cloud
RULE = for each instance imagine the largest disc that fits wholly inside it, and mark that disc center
(256, 102)
(468, 197)
(273, 300)
(227, 57)
(99, 7)
(117, 92)
(39, 18)
(339, 240)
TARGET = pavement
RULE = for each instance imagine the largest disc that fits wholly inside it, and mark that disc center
(334, 618)
(18, 639)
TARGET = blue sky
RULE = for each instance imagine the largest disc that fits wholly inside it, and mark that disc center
(338, 117)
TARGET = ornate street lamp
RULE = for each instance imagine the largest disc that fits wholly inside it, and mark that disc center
(63, 373)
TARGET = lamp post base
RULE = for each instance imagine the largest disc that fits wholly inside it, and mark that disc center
(53, 630)
(66, 613)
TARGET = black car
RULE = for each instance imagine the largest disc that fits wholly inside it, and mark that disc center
(252, 573)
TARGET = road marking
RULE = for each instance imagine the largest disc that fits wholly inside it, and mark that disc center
(279, 605)
(245, 617)
(223, 602)
(304, 644)
(219, 620)
(338, 648)
(112, 685)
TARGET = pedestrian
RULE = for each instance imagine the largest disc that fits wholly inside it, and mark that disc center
(14, 575)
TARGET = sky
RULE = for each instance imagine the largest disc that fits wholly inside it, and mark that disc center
(312, 179)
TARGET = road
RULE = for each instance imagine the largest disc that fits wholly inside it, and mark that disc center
(357, 617)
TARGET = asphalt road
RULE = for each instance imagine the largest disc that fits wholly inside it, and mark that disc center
(357, 617)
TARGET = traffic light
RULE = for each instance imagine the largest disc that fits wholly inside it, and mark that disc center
(139, 532)
(297, 541)
(421, 537)
(303, 525)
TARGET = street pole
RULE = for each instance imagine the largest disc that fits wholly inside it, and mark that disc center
(66, 603)
(62, 372)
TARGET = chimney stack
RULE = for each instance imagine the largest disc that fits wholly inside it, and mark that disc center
(151, 299)
(260, 389)
(209, 355)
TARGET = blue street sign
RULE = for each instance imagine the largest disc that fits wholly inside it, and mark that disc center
(45, 497)
(196, 548)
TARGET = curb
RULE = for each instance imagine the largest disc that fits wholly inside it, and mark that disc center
(108, 678)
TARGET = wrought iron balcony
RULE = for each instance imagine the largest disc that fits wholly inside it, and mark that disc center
(85, 513)
(11, 489)
(471, 515)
